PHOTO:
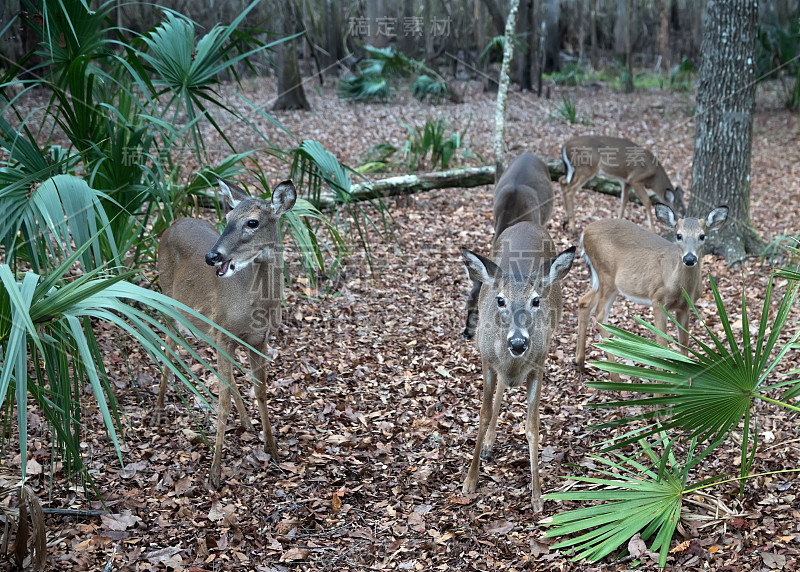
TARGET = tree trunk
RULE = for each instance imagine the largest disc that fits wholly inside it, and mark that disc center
(12, 47)
(408, 40)
(502, 92)
(333, 35)
(290, 84)
(552, 40)
(663, 34)
(724, 125)
(497, 16)
(524, 58)
(593, 24)
(620, 32)
(628, 47)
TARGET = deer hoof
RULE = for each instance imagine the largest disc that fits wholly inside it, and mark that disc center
(469, 485)
(467, 335)
(537, 504)
(157, 418)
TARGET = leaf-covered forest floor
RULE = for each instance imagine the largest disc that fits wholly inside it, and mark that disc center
(374, 397)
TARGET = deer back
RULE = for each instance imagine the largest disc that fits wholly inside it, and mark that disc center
(624, 160)
(523, 193)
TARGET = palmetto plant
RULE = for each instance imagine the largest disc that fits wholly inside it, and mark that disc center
(376, 74)
(704, 398)
(80, 218)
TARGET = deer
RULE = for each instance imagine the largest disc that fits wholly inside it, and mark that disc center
(520, 307)
(624, 258)
(242, 293)
(523, 193)
(620, 160)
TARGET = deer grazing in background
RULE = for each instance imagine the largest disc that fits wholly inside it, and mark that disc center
(620, 160)
(523, 193)
(519, 307)
(624, 258)
(243, 295)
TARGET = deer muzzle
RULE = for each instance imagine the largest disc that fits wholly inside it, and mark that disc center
(518, 342)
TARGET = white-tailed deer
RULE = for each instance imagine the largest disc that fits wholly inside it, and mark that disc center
(243, 294)
(626, 259)
(519, 307)
(621, 160)
(523, 193)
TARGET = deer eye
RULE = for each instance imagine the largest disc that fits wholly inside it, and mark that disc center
(535, 302)
(702, 237)
(252, 223)
(679, 236)
(501, 302)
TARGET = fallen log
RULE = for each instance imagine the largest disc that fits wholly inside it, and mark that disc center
(457, 178)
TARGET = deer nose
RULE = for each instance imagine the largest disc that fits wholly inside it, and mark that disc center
(212, 258)
(690, 259)
(517, 345)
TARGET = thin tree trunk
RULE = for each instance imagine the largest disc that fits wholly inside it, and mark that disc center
(593, 31)
(290, 84)
(524, 58)
(552, 40)
(663, 34)
(502, 92)
(628, 48)
(724, 125)
(496, 14)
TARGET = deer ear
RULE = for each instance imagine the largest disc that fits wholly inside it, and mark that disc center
(717, 218)
(559, 267)
(230, 192)
(666, 215)
(283, 197)
(479, 268)
(669, 196)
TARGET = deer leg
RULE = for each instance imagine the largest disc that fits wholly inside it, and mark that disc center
(586, 306)
(605, 299)
(660, 322)
(532, 434)
(491, 432)
(225, 368)
(259, 367)
(683, 330)
(158, 412)
(568, 193)
(489, 379)
(640, 191)
(241, 408)
(472, 312)
(623, 199)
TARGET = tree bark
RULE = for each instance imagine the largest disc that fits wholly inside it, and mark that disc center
(628, 47)
(663, 34)
(497, 16)
(724, 125)
(552, 39)
(502, 92)
(593, 30)
(525, 28)
(290, 84)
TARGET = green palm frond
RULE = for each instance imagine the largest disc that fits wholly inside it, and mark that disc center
(436, 90)
(710, 393)
(635, 498)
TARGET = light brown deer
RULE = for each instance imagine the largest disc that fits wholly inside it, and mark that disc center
(621, 160)
(519, 307)
(243, 295)
(523, 193)
(626, 259)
